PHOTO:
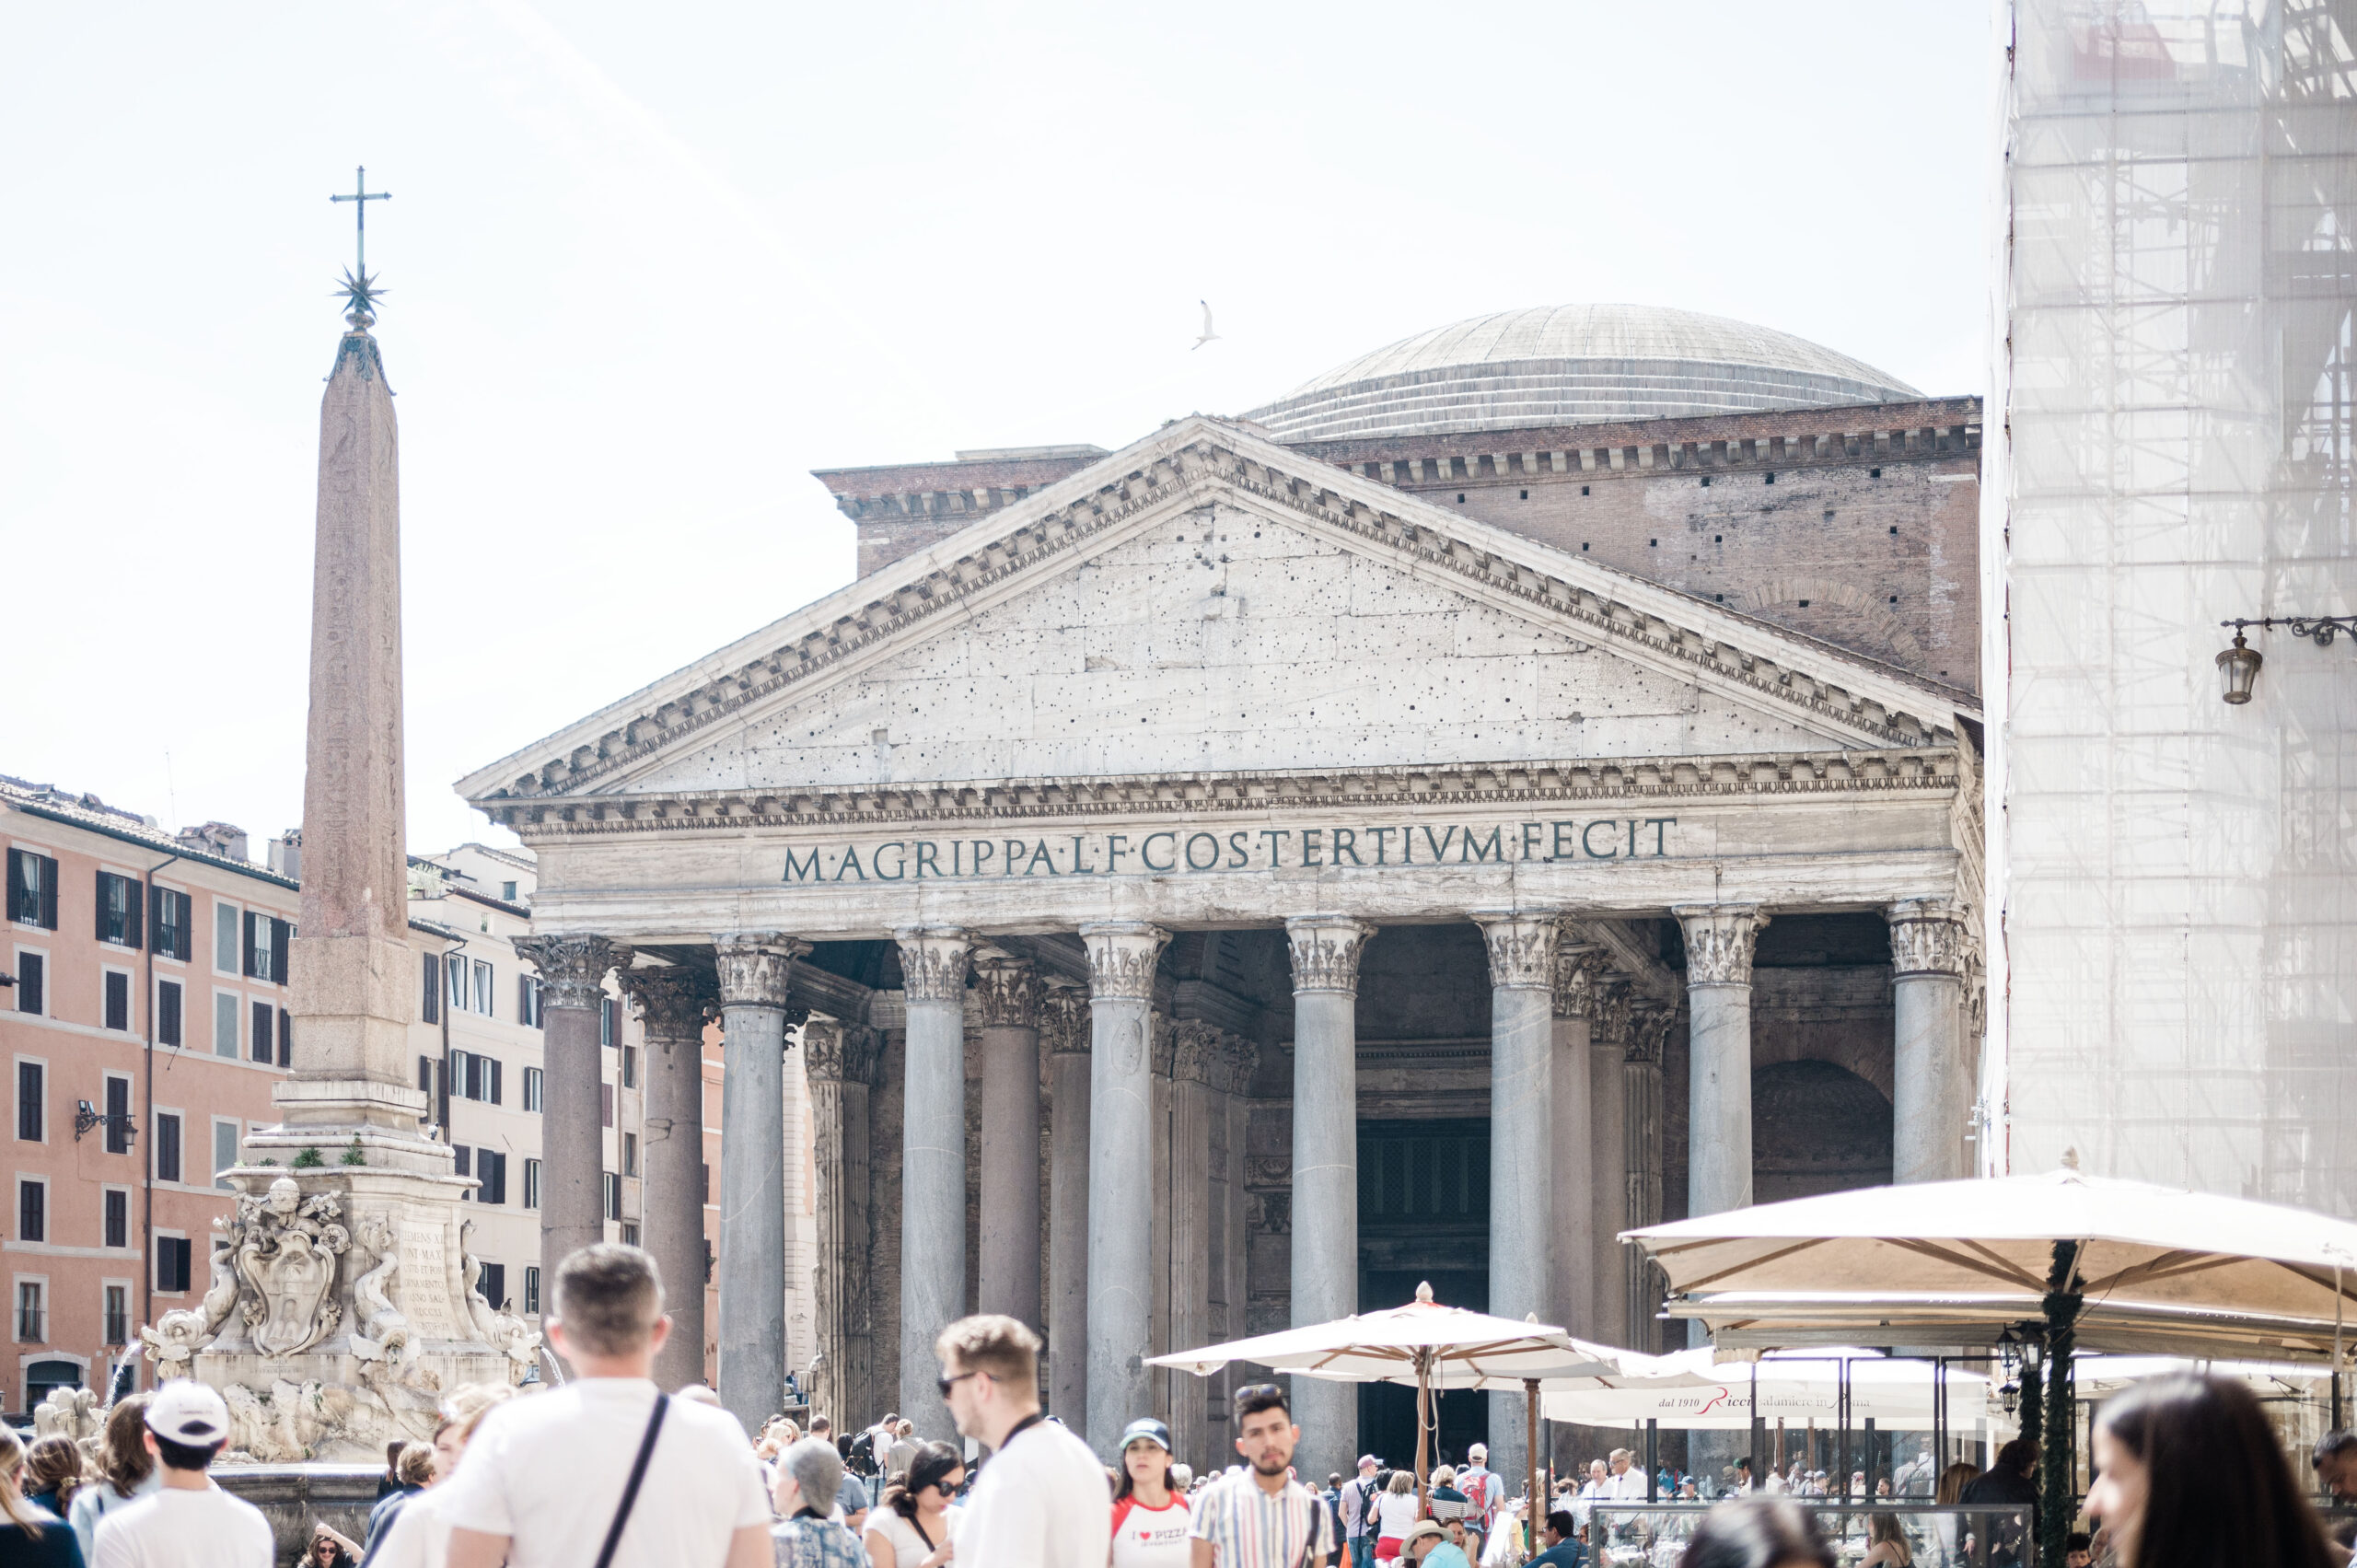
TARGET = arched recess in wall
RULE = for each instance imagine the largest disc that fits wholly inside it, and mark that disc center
(1840, 612)
(1816, 1128)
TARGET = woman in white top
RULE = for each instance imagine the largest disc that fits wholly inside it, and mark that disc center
(1395, 1511)
(914, 1526)
(1149, 1516)
(419, 1536)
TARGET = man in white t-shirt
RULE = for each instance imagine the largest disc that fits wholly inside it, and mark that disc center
(543, 1478)
(1041, 1500)
(188, 1522)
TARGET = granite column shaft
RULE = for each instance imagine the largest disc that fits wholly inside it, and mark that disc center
(573, 1119)
(755, 970)
(1122, 956)
(673, 1003)
(1718, 940)
(932, 1167)
(1522, 1104)
(1325, 949)
(1065, 1022)
(1931, 1081)
(1008, 992)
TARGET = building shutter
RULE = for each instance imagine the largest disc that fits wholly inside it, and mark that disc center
(135, 911)
(98, 915)
(254, 928)
(285, 1039)
(606, 1102)
(429, 996)
(280, 935)
(491, 1080)
(48, 891)
(261, 1042)
(463, 1159)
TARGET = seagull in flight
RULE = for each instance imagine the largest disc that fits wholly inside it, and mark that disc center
(1208, 335)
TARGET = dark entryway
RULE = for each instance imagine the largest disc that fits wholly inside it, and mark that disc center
(1424, 1219)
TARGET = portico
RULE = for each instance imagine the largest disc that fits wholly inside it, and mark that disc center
(1113, 869)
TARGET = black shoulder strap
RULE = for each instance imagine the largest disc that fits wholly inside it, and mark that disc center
(637, 1476)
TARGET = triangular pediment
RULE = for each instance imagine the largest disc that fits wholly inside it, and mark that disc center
(1208, 601)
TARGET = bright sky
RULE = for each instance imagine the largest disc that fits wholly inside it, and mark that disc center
(649, 265)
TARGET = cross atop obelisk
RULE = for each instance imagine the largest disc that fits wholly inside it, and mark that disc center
(360, 290)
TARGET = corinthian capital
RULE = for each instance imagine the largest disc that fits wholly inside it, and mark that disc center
(1200, 1047)
(933, 962)
(1522, 948)
(1649, 1023)
(1325, 949)
(571, 969)
(1612, 1008)
(835, 1051)
(1578, 971)
(1121, 957)
(755, 966)
(1718, 942)
(1927, 937)
(1063, 1020)
(672, 1001)
(1008, 989)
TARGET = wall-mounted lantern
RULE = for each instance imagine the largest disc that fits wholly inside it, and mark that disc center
(2238, 666)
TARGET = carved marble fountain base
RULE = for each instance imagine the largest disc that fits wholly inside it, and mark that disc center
(341, 1309)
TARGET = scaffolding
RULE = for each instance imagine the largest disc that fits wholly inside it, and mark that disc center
(2179, 938)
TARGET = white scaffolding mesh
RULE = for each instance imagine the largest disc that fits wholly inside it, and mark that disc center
(2179, 940)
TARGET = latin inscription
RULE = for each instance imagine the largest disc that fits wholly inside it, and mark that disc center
(1181, 851)
(424, 1279)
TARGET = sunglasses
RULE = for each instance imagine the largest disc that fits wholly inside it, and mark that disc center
(946, 1384)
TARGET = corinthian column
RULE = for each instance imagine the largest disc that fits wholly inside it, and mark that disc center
(841, 1058)
(1649, 1026)
(1122, 958)
(1608, 1157)
(1932, 1087)
(1008, 990)
(1065, 1021)
(1572, 1252)
(1522, 1105)
(672, 1003)
(932, 1167)
(754, 968)
(1718, 989)
(573, 1119)
(1197, 1048)
(1325, 949)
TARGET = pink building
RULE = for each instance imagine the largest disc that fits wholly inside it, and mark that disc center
(142, 1016)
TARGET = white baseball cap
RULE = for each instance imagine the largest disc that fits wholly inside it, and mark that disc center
(186, 1411)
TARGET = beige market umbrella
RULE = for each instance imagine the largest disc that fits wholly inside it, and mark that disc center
(1431, 1346)
(2049, 1258)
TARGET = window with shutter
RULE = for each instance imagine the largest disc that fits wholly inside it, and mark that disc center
(608, 1021)
(167, 1012)
(531, 1088)
(117, 1220)
(531, 1183)
(429, 1000)
(171, 1263)
(482, 988)
(118, 999)
(492, 1168)
(167, 1145)
(285, 1039)
(281, 936)
(31, 1102)
(531, 1287)
(257, 947)
(491, 1082)
(170, 915)
(118, 1115)
(32, 1211)
(259, 1041)
(630, 1066)
(455, 967)
(492, 1284)
(606, 1102)
(120, 915)
(524, 999)
(32, 995)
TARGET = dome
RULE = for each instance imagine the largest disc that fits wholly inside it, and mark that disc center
(1572, 365)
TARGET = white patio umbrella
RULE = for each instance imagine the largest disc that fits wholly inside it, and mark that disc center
(2127, 1265)
(1896, 1394)
(1428, 1345)
(2157, 1269)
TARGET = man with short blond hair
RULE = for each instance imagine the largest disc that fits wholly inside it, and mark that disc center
(548, 1481)
(1041, 1500)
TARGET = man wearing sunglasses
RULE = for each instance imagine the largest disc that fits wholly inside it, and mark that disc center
(1260, 1516)
(1042, 1501)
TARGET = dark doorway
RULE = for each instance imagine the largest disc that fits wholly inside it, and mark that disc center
(1424, 1219)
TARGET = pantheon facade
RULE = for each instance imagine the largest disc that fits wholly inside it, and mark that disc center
(1523, 784)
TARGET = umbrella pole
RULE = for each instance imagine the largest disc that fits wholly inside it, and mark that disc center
(2057, 1474)
(1531, 1515)
(1423, 1406)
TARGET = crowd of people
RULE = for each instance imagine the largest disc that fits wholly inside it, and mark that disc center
(606, 1471)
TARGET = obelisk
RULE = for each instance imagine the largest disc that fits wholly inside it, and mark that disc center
(353, 970)
(343, 1306)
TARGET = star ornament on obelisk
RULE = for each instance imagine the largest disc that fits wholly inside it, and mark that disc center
(343, 1301)
(356, 289)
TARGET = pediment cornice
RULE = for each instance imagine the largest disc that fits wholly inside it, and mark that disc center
(1913, 771)
(1851, 699)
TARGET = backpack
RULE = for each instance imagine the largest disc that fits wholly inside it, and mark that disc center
(1478, 1502)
